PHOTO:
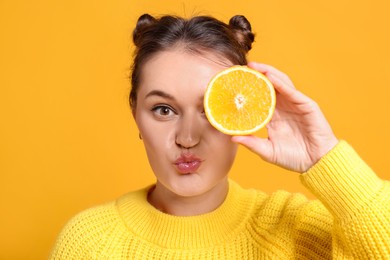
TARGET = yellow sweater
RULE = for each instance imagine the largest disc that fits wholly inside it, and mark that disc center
(351, 220)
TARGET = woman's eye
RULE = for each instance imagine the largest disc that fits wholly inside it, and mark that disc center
(163, 111)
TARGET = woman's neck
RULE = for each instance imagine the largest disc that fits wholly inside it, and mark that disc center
(168, 202)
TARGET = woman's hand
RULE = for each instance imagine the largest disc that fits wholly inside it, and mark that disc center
(298, 134)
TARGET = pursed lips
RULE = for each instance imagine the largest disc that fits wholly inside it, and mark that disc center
(187, 163)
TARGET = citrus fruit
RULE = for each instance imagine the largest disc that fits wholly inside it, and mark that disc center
(239, 100)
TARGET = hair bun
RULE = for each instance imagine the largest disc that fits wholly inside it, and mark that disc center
(243, 31)
(144, 21)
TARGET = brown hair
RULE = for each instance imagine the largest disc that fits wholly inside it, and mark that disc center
(198, 34)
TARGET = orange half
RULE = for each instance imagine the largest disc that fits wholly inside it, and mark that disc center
(239, 101)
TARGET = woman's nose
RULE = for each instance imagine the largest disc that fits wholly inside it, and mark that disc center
(189, 131)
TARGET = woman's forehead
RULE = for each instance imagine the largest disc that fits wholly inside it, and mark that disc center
(181, 66)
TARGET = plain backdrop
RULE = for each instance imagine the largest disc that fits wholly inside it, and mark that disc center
(67, 137)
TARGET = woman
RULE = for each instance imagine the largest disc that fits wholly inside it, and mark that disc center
(194, 211)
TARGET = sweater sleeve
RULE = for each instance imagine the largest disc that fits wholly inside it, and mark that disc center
(358, 200)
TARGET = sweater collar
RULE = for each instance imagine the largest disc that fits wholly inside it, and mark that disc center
(200, 231)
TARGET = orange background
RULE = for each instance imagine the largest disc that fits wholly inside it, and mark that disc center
(67, 138)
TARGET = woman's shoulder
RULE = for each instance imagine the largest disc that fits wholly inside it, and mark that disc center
(283, 206)
(84, 232)
(103, 214)
(285, 214)
(90, 223)
(94, 216)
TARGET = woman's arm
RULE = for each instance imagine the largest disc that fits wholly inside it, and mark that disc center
(300, 139)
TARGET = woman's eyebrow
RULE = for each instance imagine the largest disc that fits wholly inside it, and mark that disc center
(160, 94)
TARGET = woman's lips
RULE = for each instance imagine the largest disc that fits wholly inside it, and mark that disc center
(187, 164)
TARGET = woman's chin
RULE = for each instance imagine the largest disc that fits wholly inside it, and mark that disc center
(192, 185)
(189, 185)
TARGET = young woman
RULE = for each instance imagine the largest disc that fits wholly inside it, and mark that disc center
(194, 211)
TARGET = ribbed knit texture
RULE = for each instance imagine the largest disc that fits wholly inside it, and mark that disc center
(349, 221)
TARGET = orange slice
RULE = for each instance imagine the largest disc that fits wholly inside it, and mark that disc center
(239, 101)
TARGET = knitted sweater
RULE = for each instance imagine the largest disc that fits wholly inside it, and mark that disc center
(350, 220)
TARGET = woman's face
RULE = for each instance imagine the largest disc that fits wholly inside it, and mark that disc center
(188, 156)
